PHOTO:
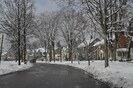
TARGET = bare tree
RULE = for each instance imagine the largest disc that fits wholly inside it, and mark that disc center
(100, 11)
(16, 19)
(71, 25)
(48, 26)
(28, 16)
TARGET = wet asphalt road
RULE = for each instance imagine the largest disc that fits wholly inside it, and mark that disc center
(50, 76)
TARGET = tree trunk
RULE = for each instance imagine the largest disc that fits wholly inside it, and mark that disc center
(19, 54)
(60, 54)
(129, 49)
(88, 57)
(53, 50)
(25, 51)
(105, 33)
(24, 31)
(1, 47)
(46, 51)
(22, 54)
(50, 53)
(19, 36)
(106, 54)
(70, 54)
(88, 62)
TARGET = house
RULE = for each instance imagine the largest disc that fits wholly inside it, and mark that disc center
(38, 54)
(122, 46)
(7, 56)
(100, 50)
(90, 49)
(121, 51)
(61, 53)
(58, 53)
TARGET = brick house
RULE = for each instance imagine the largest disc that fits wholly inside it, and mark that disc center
(121, 51)
(122, 46)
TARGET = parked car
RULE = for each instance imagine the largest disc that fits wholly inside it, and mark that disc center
(33, 60)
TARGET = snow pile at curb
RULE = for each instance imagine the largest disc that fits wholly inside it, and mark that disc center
(11, 66)
(120, 74)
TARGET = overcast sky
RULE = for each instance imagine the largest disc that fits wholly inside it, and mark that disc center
(45, 5)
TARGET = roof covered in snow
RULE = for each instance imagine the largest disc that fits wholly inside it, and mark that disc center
(85, 42)
(39, 49)
(99, 43)
(4, 53)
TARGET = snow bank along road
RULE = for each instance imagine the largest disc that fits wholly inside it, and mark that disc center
(7, 67)
(50, 76)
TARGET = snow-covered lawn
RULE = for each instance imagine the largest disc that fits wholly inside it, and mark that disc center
(119, 74)
(11, 66)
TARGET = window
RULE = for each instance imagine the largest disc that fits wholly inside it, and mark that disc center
(119, 53)
(122, 54)
(126, 45)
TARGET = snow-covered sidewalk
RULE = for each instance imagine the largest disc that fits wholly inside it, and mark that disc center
(7, 67)
(119, 74)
